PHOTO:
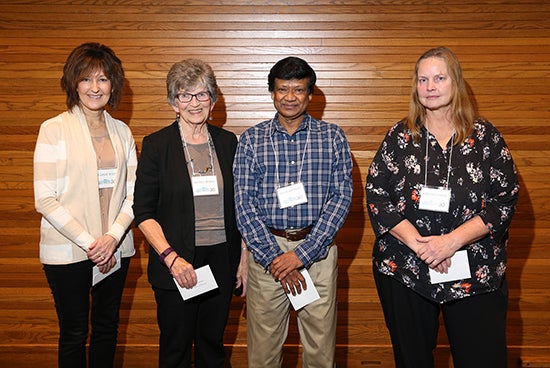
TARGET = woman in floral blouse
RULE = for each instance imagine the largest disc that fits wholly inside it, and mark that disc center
(441, 192)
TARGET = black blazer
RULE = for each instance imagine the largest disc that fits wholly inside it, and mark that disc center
(163, 192)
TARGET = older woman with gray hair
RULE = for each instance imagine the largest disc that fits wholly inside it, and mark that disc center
(184, 205)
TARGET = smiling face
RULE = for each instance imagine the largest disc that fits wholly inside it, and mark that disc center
(94, 91)
(434, 84)
(194, 112)
(291, 98)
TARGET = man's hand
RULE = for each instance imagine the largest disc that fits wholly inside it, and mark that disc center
(294, 283)
(283, 265)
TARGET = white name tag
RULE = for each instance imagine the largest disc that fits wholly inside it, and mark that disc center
(106, 178)
(204, 185)
(434, 199)
(291, 195)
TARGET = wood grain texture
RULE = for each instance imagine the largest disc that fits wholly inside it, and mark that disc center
(363, 52)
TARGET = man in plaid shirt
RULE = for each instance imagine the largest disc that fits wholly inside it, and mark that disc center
(293, 189)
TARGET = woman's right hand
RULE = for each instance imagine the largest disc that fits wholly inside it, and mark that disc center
(181, 270)
(102, 249)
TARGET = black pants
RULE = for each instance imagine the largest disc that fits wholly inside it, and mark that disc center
(70, 285)
(476, 326)
(200, 320)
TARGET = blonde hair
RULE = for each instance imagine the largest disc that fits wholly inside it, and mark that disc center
(462, 106)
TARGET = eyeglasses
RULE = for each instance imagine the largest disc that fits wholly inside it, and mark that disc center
(187, 97)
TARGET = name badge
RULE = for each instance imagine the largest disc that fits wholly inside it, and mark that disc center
(434, 199)
(204, 185)
(291, 195)
(106, 178)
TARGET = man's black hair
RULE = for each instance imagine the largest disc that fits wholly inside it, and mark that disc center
(291, 68)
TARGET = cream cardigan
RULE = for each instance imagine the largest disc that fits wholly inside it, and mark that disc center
(66, 190)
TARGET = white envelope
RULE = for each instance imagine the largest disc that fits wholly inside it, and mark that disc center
(459, 270)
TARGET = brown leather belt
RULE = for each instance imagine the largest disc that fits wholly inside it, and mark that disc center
(292, 234)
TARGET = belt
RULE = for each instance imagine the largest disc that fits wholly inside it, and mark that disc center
(291, 234)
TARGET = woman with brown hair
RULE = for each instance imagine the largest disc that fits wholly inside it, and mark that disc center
(84, 173)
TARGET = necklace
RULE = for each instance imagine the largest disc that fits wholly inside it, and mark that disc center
(189, 159)
(99, 145)
(100, 137)
(426, 157)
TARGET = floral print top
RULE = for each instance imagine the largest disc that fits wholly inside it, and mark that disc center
(483, 182)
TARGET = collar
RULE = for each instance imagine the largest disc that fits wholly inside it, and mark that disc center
(307, 122)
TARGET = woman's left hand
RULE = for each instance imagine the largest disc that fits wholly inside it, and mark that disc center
(242, 272)
(108, 265)
(182, 271)
(102, 250)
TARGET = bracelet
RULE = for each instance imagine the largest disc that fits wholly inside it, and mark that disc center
(166, 252)
(171, 264)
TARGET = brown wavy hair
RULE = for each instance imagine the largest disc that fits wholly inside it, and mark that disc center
(82, 62)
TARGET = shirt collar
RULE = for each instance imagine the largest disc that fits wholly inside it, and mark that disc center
(307, 122)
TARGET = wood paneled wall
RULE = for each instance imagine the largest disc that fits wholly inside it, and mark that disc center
(363, 52)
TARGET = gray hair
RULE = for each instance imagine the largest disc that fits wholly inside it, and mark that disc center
(189, 74)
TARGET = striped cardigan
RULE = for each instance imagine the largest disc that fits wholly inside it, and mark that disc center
(66, 188)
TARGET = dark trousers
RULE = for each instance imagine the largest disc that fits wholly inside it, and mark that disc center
(70, 285)
(200, 320)
(476, 326)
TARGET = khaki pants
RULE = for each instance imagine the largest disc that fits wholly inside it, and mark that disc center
(268, 315)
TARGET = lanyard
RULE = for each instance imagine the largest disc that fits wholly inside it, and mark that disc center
(190, 159)
(277, 155)
(426, 162)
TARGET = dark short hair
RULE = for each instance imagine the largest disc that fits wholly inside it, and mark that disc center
(86, 59)
(291, 68)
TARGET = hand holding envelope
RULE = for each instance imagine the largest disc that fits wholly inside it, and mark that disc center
(205, 282)
(307, 295)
